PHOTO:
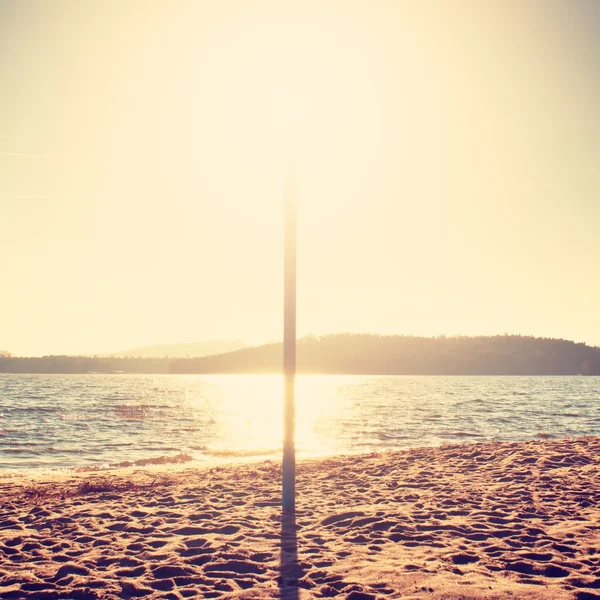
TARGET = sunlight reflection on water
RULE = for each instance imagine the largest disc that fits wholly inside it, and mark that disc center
(75, 420)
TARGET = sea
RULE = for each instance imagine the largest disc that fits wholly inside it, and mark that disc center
(98, 421)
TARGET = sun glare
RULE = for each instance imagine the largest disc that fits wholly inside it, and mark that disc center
(286, 90)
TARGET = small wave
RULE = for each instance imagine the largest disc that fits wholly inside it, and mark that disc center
(241, 453)
(43, 445)
(462, 434)
(75, 417)
(54, 450)
(143, 462)
(37, 409)
(117, 444)
(185, 430)
(390, 436)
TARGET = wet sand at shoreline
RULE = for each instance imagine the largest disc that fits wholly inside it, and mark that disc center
(510, 520)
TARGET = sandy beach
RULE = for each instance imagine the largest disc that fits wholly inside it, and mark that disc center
(514, 520)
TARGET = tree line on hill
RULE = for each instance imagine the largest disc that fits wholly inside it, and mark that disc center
(363, 354)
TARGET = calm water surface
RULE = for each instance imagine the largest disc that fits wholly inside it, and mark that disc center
(52, 421)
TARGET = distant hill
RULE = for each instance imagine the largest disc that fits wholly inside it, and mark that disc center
(190, 350)
(356, 354)
(410, 355)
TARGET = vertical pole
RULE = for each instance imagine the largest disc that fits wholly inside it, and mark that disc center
(289, 347)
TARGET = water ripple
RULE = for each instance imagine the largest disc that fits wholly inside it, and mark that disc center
(90, 420)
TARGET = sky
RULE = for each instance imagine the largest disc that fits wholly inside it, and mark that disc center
(446, 157)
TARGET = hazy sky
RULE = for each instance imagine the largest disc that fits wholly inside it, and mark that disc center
(448, 169)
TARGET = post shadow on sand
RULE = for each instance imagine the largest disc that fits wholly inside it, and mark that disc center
(290, 570)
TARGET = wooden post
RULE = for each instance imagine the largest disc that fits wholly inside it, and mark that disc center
(289, 347)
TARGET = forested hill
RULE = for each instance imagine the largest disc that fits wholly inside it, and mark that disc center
(356, 354)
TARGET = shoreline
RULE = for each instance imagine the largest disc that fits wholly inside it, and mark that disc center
(183, 460)
(485, 520)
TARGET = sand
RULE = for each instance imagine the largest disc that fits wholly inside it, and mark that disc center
(514, 520)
